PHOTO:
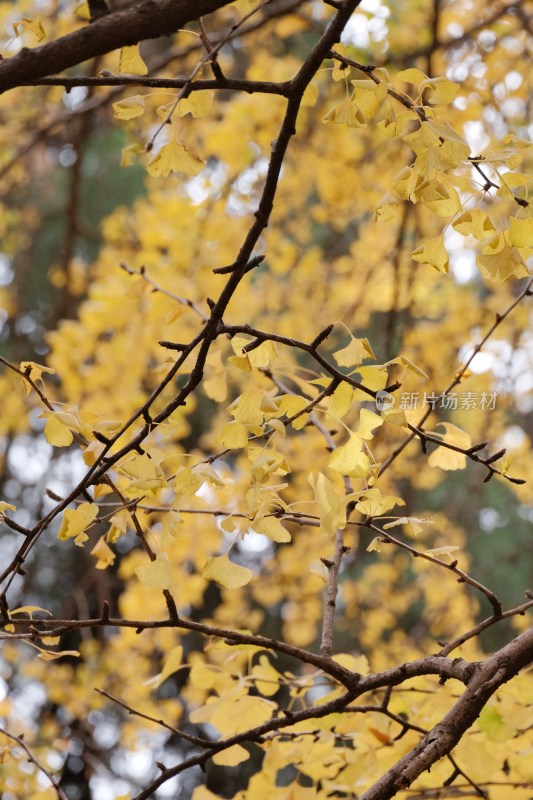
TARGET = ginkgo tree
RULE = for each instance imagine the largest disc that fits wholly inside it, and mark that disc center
(264, 384)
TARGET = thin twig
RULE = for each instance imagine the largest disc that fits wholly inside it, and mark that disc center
(462, 576)
(197, 740)
(526, 291)
(34, 760)
(142, 273)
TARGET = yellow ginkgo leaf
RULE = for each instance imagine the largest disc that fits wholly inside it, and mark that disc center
(56, 433)
(171, 664)
(492, 723)
(50, 640)
(198, 104)
(129, 108)
(83, 11)
(144, 473)
(413, 525)
(394, 124)
(76, 521)
(439, 198)
(247, 408)
(34, 372)
(373, 377)
(412, 75)
(445, 551)
(290, 405)
(246, 712)
(267, 679)
(33, 26)
(331, 506)
(375, 544)
(386, 208)
(129, 154)
(494, 245)
(265, 463)
(225, 572)
(241, 362)
(502, 265)
(101, 489)
(368, 95)
(368, 421)
(475, 222)
(187, 482)
(373, 503)
(453, 147)
(439, 91)
(165, 111)
(278, 426)
(521, 232)
(358, 664)
(272, 527)
(262, 356)
(341, 401)
(175, 157)
(448, 459)
(438, 147)
(353, 353)
(29, 610)
(405, 362)
(104, 554)
(130, 61)
(233, 436)
(340, 70)
(310, 96)
(406, 183)
(433, 253)
(48, 655)
(6, 507)
(209, 474)
(413, 367)
(156, 574)
(346, 113)
(120, 523)
(231, 757)
(509, 150)
(350, 460)
(396, 416)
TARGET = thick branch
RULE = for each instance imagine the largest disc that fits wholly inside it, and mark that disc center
(488, 677)
(147, 20)
(230, 84)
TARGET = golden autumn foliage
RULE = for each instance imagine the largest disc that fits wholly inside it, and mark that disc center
(266, 400)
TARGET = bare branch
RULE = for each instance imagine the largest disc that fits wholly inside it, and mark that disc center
(34, 760)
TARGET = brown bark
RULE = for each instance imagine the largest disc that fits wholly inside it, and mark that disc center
(148, 20)
(488, 676)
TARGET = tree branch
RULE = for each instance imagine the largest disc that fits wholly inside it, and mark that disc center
(31, 758)
(489, 675)
(148, 20)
